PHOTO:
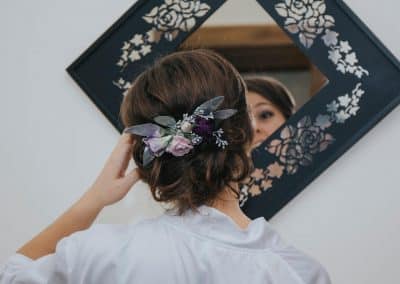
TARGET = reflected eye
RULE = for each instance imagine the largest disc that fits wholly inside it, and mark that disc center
(265, 114)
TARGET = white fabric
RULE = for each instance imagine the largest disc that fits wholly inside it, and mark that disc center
(205, 247)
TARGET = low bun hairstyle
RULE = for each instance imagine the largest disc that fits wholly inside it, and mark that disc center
(177, 84)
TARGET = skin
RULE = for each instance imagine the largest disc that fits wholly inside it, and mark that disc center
(111, 185)
(266, 117)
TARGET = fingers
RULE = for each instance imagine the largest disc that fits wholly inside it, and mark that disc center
(126, 138)
(124, 145)
(120, 156)
(130, 179)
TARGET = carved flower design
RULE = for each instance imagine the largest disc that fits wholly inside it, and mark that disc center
(345, 106)
(298, 144)
(175, 15)
(305, 17)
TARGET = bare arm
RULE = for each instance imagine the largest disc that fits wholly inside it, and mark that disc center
(110, 186)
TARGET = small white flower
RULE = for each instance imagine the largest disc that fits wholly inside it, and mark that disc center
(124, 55)
(350, 68)
(359, 73)
(135, 55)
(126, 46)
(341, 67)
(332, 107)
(330, 38)
(341, 116)
(145, 49)
(334, 56)
(345, 46)
(137, 39)
(323, 121)
(344, 100)
(359, 92)
(355, 101)
(351, 58)
(186, 126)
(353, 110)
(153, 35)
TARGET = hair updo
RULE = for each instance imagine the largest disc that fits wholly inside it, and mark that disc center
(177, 84)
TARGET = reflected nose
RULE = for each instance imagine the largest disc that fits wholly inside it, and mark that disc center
(259, 135)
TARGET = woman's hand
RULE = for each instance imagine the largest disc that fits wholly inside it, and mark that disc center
(113, 183)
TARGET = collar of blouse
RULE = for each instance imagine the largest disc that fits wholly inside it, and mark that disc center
(212, 224)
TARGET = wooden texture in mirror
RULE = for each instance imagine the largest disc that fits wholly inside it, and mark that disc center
(256, 48)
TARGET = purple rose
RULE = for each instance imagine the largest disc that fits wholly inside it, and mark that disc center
(179, 146)
(204, 127)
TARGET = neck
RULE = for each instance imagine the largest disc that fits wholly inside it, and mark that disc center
(228, 203)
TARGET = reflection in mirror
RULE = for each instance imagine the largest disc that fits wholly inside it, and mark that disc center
(258, 47)
(279, 77)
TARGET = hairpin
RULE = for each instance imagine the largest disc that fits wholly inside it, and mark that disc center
(179, 137)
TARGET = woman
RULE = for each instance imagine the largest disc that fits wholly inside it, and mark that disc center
(271, 104)
(189, 132)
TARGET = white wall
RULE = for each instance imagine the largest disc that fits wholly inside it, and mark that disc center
(54, 141)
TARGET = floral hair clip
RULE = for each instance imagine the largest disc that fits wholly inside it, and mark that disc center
(179, 137)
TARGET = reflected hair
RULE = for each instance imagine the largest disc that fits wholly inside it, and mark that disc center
(274, 91)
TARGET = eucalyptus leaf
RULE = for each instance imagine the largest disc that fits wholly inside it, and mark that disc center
(147, 156)
(224, 113)
(210, 105)
(146, 129)
(165, 120)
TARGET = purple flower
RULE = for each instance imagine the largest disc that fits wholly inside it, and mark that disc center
(179, 146)
(157, 145)
(204, 127)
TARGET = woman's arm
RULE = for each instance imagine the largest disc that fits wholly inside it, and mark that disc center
(110, 186)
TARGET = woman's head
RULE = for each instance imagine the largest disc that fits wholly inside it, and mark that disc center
(173, 86)
(271, 104)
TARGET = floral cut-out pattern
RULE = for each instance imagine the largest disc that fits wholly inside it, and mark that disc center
(308, 19)
(167, 20)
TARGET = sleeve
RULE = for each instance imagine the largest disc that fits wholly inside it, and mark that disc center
(309, 270)
(306, 267)
(52, 268)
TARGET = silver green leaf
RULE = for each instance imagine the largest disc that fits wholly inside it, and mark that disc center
(210, 105)
(147, 156)
(165, 120)
(146, 129)
(224, 113)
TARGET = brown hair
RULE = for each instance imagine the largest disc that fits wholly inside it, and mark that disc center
(177, 84)
(274, 91)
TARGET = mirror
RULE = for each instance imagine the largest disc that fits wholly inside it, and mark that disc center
(328, 119)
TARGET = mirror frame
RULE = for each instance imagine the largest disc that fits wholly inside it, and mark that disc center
(363, 86)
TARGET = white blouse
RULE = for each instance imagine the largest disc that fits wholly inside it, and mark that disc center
(205, 247)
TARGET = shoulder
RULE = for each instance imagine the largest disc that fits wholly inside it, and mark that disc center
(102, 235)
(304, 265)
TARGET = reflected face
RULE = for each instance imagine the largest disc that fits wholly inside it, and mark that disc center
(266, 117)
